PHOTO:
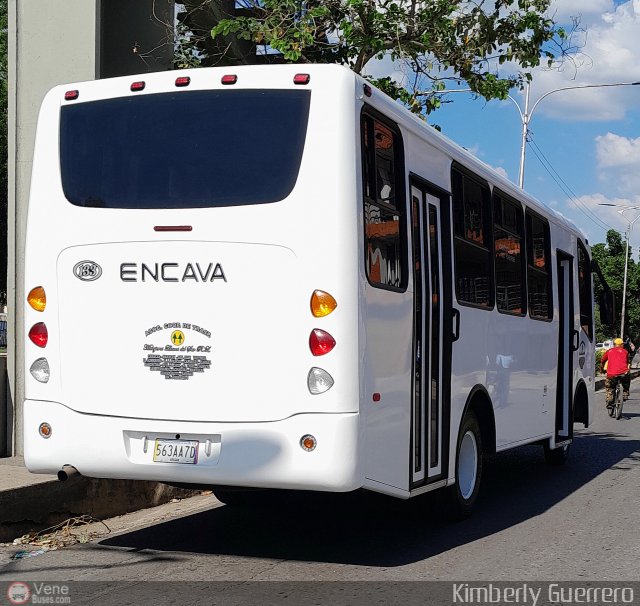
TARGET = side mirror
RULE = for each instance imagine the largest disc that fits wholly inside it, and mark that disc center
(607, 304)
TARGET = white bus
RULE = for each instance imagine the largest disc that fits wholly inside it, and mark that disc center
(277, 277)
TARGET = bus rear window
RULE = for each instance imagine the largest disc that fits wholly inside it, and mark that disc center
(194, 149)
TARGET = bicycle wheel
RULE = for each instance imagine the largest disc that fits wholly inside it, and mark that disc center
(611, 409)
(617, 408)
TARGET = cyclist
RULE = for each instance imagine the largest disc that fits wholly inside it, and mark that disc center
(617, 365)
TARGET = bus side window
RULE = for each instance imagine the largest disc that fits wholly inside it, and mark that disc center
(539, 267)
(584, 288)
(472, 241)
(382, 172)
(509, 255)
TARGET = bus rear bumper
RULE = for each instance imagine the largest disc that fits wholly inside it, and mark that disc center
(261, 455)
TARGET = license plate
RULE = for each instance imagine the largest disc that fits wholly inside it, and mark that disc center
(175, 451)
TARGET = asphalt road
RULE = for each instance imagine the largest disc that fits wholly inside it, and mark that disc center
(533, 522)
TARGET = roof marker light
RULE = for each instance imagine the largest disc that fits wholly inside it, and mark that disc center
(136, 86)
(229, 79)
(37, 298)
(321, 342)
(302, 79)
(39, 334)
(367, 90)
(71, 95)
(322, 303)
(183, 81)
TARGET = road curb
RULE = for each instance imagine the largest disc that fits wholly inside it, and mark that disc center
(45, 504)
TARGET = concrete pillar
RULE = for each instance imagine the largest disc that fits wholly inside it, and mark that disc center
(52, 42)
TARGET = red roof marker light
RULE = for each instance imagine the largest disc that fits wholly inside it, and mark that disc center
(229, 79)
(136, 86)
(302, 79)
(183, 81)
(71, 95)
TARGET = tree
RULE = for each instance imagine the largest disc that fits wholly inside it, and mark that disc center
(433, 40)
(611, 257)
(3, 153)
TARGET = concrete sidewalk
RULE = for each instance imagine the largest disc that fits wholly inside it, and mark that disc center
(34, 502)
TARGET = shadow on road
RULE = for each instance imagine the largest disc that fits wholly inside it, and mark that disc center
(372, 530)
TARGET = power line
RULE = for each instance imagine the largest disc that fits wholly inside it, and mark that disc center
(562, 184)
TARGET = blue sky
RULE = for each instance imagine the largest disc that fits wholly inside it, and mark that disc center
(591, 138)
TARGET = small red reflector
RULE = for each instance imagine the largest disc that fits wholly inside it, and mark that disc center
(301, 79)
(71, 95)
(376, 397)
(183, 81)
(137, 86)
(229, 79)
(39, 334)
(172, 228)
(321, 342)
(367, 90)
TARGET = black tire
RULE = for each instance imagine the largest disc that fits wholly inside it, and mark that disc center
(234, 498)
(252, 497)
(462, 495)
(619, 402)
(557, 456)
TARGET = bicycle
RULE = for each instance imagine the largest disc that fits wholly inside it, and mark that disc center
(615, 410)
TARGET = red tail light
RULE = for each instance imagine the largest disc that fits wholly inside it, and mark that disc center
(39, 334)
(321, 342)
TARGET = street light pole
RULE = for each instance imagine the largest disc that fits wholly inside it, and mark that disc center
(525, 116)
(626, 258)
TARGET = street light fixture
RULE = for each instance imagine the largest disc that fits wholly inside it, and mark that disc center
(525, 116)
(621, 212)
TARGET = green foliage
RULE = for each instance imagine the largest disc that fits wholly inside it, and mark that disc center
(611, 257)
(599, 355)
(432, 40)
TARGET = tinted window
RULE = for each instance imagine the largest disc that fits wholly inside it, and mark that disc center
(509, 255)
(539, 268)
(584, 286)
(183, 149)
(471, 212)
(385, 241)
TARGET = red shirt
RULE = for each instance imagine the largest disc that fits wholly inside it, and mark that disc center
(618, 361)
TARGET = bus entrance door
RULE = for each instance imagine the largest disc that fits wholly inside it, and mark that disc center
(431, 343)
(567, 346)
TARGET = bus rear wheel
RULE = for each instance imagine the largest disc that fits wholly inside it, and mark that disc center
(462, 495)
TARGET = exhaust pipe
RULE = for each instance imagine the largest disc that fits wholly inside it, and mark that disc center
(66, 472)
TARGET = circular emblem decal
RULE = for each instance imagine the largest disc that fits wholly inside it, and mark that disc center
(19, 593)
(177, 337)
(87, 271)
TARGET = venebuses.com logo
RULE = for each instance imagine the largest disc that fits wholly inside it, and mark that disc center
(38, 593)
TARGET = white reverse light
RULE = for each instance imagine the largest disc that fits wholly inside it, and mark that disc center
(319, 381)
(40, 370)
